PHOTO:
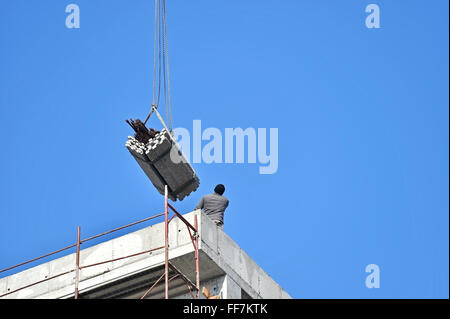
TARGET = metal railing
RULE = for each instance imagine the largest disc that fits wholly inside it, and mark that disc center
(193, 234)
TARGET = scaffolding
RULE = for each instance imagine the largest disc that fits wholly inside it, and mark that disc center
(168, 266)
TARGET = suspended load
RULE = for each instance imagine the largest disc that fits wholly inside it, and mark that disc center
(157, 153)
(161, 159)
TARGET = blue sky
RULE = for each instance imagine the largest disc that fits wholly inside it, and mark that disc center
(362, 116)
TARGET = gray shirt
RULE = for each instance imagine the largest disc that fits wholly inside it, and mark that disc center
(213, 206)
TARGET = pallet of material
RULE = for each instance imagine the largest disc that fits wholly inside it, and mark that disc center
(164, 164)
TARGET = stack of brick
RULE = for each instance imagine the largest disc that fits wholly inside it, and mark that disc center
(164, 164)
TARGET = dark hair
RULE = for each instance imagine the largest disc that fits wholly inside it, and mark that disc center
(219, 189)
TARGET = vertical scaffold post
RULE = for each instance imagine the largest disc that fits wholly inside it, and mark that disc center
(166, 244)
(197, 267)
(77, 263)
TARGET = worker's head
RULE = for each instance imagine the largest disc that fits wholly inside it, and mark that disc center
(219, 189)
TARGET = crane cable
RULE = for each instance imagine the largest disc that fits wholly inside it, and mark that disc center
(161, 62)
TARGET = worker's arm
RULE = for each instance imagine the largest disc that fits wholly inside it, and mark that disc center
(200, 204)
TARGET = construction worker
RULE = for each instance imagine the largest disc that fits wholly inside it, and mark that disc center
(214, 205)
